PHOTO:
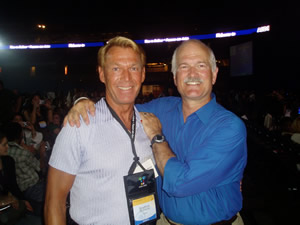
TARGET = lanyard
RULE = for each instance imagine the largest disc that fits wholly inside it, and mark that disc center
(131, 137)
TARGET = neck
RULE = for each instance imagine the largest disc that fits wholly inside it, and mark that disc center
(124, 112)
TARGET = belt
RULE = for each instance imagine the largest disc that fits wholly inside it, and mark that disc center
(226, 222)
(223, 222)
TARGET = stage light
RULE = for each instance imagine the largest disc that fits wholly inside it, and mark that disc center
(32, 71)
(66, 70)
(263, 29)
(41, 26)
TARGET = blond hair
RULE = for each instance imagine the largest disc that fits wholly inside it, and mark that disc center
(120, 42)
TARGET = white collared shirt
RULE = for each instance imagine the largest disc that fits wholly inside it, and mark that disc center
(99, 154)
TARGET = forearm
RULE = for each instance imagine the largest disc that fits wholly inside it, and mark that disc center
(55, 212)
(162, 154)
(56, 196)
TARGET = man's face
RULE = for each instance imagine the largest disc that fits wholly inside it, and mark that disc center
(123, 75)
(194, 78)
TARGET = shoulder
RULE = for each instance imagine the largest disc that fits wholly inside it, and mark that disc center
(229, 120)
(163, 103)
(167, 100)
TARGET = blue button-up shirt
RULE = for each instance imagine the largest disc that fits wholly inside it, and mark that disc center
(201, 185)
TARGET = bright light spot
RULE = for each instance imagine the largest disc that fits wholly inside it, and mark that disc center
(66, 70)
(222, 35)
(78, 45)
(263, 29)
(32, 71)
(41, 26)
(29, 46)
(161, 40)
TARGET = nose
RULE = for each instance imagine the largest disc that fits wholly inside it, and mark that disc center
(126, 75)
(193, 71)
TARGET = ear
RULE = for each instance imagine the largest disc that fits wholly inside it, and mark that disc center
(174, 78)
(101, 74)
(215, 75)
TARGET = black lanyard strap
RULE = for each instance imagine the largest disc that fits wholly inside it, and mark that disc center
(131, 137)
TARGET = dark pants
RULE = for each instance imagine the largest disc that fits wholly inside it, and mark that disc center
(35, 195)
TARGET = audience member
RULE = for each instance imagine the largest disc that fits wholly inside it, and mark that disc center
(38, 112)
(10, 194)
(33, 139)
(54, 128)
(27, 168)
(295, 127)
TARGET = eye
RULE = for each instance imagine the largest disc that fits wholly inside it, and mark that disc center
(134, 68)
(202, 65)
(115, 68)
(183, 67)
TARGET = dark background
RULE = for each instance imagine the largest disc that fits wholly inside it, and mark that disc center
(275, 53)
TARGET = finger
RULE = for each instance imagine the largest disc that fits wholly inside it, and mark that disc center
(142, 115)
(65, 121)
(91, 108)
(77, 123)
(85, 117)
(75, 118)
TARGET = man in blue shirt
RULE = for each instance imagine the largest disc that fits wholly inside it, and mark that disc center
(204, 153)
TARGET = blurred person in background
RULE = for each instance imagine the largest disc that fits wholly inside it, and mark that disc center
(32, 139)
(27, 168)
(295, 128)
(11, 196)
(38, 112)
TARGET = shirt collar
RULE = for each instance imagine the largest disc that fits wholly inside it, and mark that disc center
(205, 112)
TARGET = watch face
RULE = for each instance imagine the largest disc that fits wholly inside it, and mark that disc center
(159, 138)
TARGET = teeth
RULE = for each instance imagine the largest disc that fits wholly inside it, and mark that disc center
(125, 88)
(193, 83)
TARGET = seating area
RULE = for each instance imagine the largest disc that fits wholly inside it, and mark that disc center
(272, 178)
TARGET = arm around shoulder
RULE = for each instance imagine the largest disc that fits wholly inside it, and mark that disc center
(81, 108)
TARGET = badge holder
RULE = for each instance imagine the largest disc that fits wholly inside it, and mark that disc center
(140, 187)
(142, 197)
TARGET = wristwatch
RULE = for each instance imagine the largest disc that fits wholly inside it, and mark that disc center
(159, 138)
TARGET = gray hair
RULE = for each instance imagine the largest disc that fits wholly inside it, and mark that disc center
(212, 58)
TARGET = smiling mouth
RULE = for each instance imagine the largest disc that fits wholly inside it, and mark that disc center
(193, 83)
(125, 88)
(193, 80)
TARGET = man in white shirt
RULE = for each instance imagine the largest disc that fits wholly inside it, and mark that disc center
(91, 162)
